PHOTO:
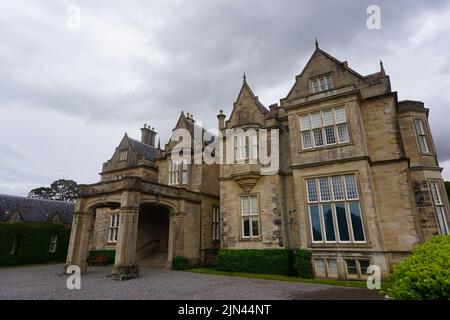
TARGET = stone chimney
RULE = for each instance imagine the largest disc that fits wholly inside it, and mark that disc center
(221, 118)
(148, 135)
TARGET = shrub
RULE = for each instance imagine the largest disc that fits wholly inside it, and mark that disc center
(426, 274)
(101, 257)
(32, 243)
(180, 263)
(303, 264)
(268, 261)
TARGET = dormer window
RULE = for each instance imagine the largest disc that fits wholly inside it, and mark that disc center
(322, 83)
(123, 156)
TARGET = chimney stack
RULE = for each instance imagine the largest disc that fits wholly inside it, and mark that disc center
(148, 135)
(221, 118)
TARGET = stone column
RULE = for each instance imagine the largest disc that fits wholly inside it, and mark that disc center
(125, 266)
(176, 238)
(79, 239)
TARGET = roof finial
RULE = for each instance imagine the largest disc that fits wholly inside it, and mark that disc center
(159, 143)
(382, 67)
(245, 77)
(317, 44)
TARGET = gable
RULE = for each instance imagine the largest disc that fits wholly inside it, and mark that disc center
(320, 64)
(247, 109)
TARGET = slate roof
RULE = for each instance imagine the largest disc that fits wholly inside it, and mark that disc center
(143, 150)
(35, 210)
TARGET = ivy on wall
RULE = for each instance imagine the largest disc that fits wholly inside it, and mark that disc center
(26, 243)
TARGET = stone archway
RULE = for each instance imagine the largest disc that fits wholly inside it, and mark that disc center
(153, 235)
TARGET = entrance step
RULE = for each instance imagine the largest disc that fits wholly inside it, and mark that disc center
(157, 259)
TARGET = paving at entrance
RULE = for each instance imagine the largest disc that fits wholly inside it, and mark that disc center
(46, 282)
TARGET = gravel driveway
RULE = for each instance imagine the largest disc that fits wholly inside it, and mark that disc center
(46, 282)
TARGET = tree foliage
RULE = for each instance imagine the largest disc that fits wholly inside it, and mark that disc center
(62, 190)
(426, 274)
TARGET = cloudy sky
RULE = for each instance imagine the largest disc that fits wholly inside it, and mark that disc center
(68, 94)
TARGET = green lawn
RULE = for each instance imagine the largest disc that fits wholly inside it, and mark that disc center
(342, 283)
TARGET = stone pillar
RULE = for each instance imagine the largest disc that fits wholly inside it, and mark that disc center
(125, 266)
(176, 238)
(79, 239)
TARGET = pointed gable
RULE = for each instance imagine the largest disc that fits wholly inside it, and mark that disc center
(320, 64)
(247, 109)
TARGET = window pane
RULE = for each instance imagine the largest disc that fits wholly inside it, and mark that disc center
(305, 123)
(255, 228)
(312, 191)
(306, 138)
(245, 205)
(364, 265)
(328, 220)
(328, 117)
(320, 267)
(323, 84)
(332, 267)
(324, 186)
(318, 138)
(329, 82)
(344, 235)
(350, 184)
(441, 220)
(315, 85)
(357, 226)
(340, 115)
(315, 223)
(343, 133)
(419, 126)
(436, 193)
(351, 267)
(338, 190)
(423, 144)
(255, 209)
(330, 135)
(246, 224)
(316, 120)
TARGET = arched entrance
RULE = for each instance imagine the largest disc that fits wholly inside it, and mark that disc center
(152, 235)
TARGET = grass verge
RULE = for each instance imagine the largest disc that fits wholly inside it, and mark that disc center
(341, 283)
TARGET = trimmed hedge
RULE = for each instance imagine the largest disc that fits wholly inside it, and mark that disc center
(180, 263)
(425, 275)
(108, 256)
(303, 264)
(33, 241)
(267, 261)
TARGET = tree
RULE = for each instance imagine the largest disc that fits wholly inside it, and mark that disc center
(62, 190)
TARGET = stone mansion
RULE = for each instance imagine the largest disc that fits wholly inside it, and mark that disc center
(358, 183)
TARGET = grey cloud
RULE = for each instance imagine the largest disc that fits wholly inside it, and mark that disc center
(142, 61)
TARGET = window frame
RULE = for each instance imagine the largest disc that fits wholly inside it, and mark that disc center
(113, 228)
(346, 201)
(251, 217)
(313, 130)
(123, 155)
(215, 224)
(53, 243)
(441, 203)
(316, 82)
(425, 135)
